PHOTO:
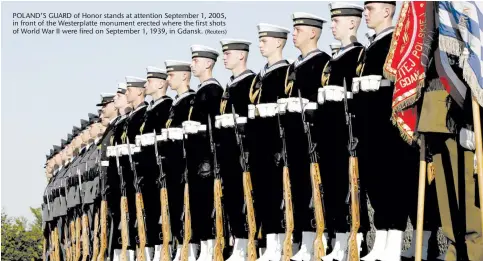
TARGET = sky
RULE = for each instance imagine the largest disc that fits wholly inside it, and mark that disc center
(50, 82)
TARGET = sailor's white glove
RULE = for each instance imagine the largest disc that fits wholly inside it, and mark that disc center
(467, 139)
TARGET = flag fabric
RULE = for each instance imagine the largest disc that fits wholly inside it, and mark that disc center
(461, 34)
(406, 65)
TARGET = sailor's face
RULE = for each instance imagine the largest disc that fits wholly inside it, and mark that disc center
(230, 59)
(69, 151)
(267, 45)
(85, 135)
(58, 159)
(174, 80)
(152, 85)
(94, 130)
(120, 101)
(196, 66)
(108, 110)
(340, 27)
(132, 93)
(301, 35)
(374, 14)
(50, 164)
(105, 121)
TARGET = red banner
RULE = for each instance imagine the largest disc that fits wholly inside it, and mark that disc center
(403, 66)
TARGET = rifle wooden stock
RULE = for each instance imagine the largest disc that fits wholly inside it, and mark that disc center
(85, 237)
(44, 249)
(72, 239)
(77, 239)
(319, 250)
(187, 223)
(95, 244)
(51, 246)
(124, 228)
(421, 196)
(166, 227)
(219, 240)
(56, 244)
(478, 152)
(353, 252)
(252, 226)
(66, 245)
(289, 221)
(141, 226)
(103, 239)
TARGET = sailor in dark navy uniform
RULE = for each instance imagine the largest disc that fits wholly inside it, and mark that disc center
(381, 148)
(303, 75)
(265, 144)
(108, 117)
(59, 205)
(113, 179)
(72, 193)
(131, 128)
(206, 102)
(235, 54)
(155, 118)
(93, 162)
(333, 130)
(179, 75)
(46, 205)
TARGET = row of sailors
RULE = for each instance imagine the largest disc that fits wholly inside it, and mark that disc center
(251, 102)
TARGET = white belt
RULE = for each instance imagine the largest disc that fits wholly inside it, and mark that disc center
(385, 83)
(332, 93)
(227, 121)
(105, 163)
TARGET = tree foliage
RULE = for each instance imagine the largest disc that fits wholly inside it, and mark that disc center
(22, 240)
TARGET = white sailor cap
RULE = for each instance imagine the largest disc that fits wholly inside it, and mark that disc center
(301, 18)
(271, 30)
(121, 88)
(380, 2)
(203, 51)
(106, 98)
(345, 9)
(177, 66)
(154, 72)
(132, 81)
(235, 44)
(335, 46)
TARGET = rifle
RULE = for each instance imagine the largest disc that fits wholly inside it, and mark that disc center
(72, 239)
(103, 219)
(218, 194)
(85, 229)
(95, 247)
(247, 192)
(319, 250)
(353, 250)
(56, 244)
(124, 211)
(66, 244)
(44, 249)
(140, 212)
(287, 197)
(166, 226)
(78, 223)
(187, 211)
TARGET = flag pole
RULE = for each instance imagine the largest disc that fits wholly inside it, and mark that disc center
(479, 152)
(421, 195)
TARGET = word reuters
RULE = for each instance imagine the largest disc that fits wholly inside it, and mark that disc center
(42, 15)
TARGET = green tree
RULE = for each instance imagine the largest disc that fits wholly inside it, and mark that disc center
(22, 240)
